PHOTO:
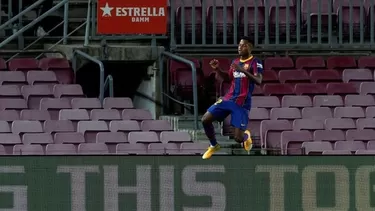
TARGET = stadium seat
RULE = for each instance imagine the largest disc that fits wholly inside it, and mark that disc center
(367, 88)
(10, 91)
(37, 138)
(278, 89)
(61, 68)
(26, 126)
(360, 135)
(339, 124)
(90, 129)
(69, 138)
(156, 125)
(13, 104)
(35, 93)
(316, 148)
(23, 64)
(336, 152)
(366, 62)
(341, 62)
(256, 116)
(61, 149)
(131, 149)
(265, 102)
(348, 112)
(293, 76)
(54, 105)
(308, 124)
(69, 91)
(370, 112)
(58, 126)
(124, 126)
(117, 103)
(309, 89)
(93, 149)
(41, 77)
(291, 141)
(174, 137)
(329, 135)
(309, 63)
(285, 113)
(105, 114)
(163, 149)
(86, 103)
(357, 75)
(287, 14)
(136, 114)
(349, 145)
(271, 133)
(341, 89)
(314, 7)
(12, 78)
(252, 26)
(319, 113)
(111, 139)
(35, 115)
(359, 100)
(143, 137)
(223, 20)
(28, 149)
(330, 101)
(296, 101)
(9, 115)
(324, 76)
(367, 123)
(278, 63)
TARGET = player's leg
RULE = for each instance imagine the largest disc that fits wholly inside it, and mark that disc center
(215, 112)
(240, 121)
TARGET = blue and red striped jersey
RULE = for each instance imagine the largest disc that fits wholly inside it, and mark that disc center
(242, 87)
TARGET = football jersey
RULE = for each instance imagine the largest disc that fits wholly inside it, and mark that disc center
(242, 87)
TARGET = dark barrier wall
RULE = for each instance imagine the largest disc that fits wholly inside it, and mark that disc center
(187, 183)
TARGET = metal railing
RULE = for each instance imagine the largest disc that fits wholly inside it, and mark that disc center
(194, 79)
(105, 83)
(273, 23)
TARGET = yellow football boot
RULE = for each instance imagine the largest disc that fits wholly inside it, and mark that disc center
(248, 144)
(210, 151)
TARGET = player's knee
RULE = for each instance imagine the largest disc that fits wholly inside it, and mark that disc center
(206, 119)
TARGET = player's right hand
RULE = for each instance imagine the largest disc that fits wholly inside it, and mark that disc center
(214, 64)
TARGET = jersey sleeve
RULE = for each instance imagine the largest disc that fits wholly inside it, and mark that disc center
(258, 67)
(231, 70)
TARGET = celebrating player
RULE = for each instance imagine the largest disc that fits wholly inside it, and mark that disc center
(244, 73)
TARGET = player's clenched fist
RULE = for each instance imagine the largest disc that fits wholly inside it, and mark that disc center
(214, 64)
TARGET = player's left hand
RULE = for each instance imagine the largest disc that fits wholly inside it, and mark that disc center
(237, 67)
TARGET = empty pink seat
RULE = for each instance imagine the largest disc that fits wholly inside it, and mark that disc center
(296, 101)
(161, 148)
(367, 123)
(13, 104)
(278, 63)
(336, 152)
(105, 114)
(10, 91)
(68, 91)
(310, 62)
(86, 103)
(38, 115)
(359, 100)
(278, 89)
(26, 126)
(37, 138)
(206, 68)
(371, 145)
(143, 137)
(328, 101)
(69, 138)
(360, 135)
(54, 105)
(341, 88)
(265, 102)
(341, 62)
(294, 76)
(91, 128)
(329, 135)
(74, 114)
(370, 112)
(12, 78)
(357, 75)
(310, 89)
(256, 116)
(308, 124)
(137, 149)
(41, 77)
(291, 141)
(136, 114)
(349, 145)
(93, 149)
(60, 66)
(174, 137)
(9, 115)
(365, 152)
(325, 76)
(313, 148)
(23, 64)
(285, 113)
(111, 139)
(117, 103)
(28, 149)
(57, 126)
(8, 140)
(61, 149)
(319, 113)
(348, 112)
(124, 126)
(156, 125)
(4, 127)
(367, 88)
(193, 148)
(270, 77)
(2, 150)
(366, 62)
(339, 124)
(35, 93)
(271, 132)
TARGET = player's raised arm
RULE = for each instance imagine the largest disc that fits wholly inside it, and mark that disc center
(219, 72)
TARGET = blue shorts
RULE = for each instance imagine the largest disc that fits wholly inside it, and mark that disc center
(239, 116)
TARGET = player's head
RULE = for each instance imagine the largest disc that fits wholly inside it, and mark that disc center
(245, 46)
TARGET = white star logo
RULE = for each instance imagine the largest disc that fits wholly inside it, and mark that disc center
(106, 10)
